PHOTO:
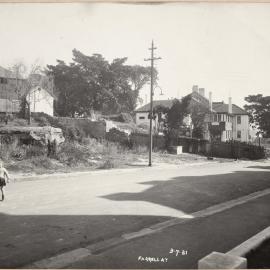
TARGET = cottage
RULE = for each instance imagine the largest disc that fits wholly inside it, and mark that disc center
(40, 100)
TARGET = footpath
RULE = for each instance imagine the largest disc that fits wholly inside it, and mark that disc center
(182, 245)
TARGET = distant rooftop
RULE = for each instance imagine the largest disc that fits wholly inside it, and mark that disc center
(221, 107)
(5, 73)
(166, 103)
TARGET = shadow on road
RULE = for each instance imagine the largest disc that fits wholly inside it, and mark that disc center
(194, 193)
(260, 167)
(27, 238)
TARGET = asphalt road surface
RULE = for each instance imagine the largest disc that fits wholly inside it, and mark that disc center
(52, 215)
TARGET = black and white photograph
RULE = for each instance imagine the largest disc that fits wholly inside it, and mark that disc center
(135, 135)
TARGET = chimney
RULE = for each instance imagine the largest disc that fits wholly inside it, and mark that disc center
(210, 101)
(195, 88)
(230, 105)
(201, 91)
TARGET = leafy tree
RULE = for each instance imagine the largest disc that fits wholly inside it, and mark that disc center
(259, 111)
(161, 112)
(173, 117)
(177, 113)
(26, 79)
(92, 83)
(198, 112)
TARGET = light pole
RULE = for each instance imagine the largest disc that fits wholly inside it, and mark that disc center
(260, 136)
(152, 59)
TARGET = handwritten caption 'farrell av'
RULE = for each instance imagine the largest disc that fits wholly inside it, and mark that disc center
(175, 252)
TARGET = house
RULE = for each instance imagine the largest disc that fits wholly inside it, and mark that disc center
(142, 113)
(37, 89)
(223, 122)
(40, 94)
(229, 122)
(197, 97)
(40, 100)
(12, 88)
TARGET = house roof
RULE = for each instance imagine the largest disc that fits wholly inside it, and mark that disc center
(166, 103)
(5, 73)
(41, 88)
(221, 107)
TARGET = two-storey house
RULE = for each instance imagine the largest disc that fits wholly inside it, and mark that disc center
(229, 122)
(12, 88)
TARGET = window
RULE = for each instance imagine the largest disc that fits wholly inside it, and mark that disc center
(215, 118)
(219, 117)
(238, 119)
(142, 117)
(238, 134)
(3, 80)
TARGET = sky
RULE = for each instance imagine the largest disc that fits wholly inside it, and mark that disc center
(222, 47)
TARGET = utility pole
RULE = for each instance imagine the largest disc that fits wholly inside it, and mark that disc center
(152, 59)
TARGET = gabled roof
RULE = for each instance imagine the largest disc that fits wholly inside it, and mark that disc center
(40, 88)
(4, 73)
(221, 107)
(166, 103)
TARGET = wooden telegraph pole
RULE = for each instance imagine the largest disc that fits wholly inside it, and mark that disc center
(152, 59)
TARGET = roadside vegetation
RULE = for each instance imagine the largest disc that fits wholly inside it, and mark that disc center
(86, 154)
(77, 153)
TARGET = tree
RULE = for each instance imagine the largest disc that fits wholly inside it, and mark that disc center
(198, 113)
(26, 79)
(259, 111)
(173, 117)
(92, 83)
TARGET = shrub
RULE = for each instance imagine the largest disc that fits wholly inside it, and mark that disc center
(73, 154)
(109, 164)
(42, 162)
(42, 121)
(140, 149)
(34, 151)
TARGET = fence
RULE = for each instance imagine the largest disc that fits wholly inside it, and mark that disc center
(232, 149)
(237, 150)
(140, 139)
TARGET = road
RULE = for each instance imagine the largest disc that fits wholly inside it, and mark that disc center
(53, 215)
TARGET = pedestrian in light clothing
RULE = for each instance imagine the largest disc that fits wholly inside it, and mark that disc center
(4, 179)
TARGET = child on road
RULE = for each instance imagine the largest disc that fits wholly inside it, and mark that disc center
(4, 177)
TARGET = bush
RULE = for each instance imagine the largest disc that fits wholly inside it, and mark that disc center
(73, 154)
(42, 121)
(140, 149)
(8, 149)
(108, 164)
(34, 151)
(42, 162)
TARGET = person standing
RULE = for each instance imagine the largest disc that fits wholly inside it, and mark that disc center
(4, 179)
